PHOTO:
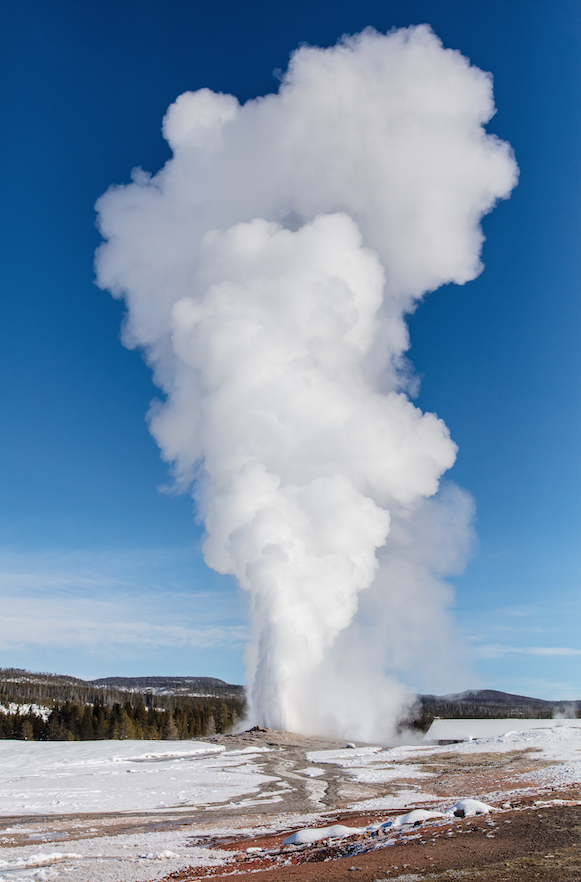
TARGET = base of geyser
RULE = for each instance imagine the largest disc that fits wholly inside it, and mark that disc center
(367, 710)
(280, 737)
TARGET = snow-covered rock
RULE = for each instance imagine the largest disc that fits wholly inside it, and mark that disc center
(468, 808)
(316, 834)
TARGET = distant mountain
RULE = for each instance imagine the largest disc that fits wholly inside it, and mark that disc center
(491, 696)
(171, 685)
(17, 685)
(486, 704)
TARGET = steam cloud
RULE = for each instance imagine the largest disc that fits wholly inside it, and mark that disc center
(267, 271)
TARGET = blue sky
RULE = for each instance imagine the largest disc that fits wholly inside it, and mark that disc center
(100, 573)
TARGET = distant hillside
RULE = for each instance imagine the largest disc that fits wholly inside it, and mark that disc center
(486, 704)
(18, 675)
(172, 686)
(488, 697)
(24, 687)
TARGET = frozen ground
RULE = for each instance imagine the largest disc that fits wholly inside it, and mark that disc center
(134, 811)
(116, 776)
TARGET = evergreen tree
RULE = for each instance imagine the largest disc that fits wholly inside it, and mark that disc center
(126, 728)
(170, 730)
(87, 730)
(26, 731)
(100, 724)
(210, 725)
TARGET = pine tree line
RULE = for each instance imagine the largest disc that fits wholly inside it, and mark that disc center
(72, 721)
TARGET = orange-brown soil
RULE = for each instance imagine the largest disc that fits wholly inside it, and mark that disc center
(539, 841)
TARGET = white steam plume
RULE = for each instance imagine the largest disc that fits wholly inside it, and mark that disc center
(267, 271)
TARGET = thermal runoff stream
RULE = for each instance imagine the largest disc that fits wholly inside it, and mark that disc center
(267, 271)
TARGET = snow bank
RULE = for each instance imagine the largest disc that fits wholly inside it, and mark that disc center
(417, 816)
(37, 860)
(337, 831)
(158, 855)
(464, 808)
(468, 730)
(468, 808)
(120, 858)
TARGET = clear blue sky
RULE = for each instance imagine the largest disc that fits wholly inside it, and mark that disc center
(100, 572)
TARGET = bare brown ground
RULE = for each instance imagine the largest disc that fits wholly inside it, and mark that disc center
(535, 840)
(534, 843)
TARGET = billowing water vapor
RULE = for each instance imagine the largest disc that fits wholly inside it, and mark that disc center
(267, 271)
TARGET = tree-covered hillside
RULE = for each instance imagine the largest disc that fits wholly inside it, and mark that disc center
(49, 707)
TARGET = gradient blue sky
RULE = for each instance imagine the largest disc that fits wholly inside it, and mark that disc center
(100, 573)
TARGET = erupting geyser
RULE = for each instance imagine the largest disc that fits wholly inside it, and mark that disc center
(267, 271)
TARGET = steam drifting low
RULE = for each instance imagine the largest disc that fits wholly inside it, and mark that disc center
(267, 271)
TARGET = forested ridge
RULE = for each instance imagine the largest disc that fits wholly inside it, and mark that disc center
(48, 707)
(485, 704)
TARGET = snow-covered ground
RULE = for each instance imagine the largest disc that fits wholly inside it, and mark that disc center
(558, 746)
(124, 858)
(57, 778)
(115, 776)
(63, 803)
(466, 729)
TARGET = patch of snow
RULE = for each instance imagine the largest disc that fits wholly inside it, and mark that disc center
(37, 860)
(417, 816)
(118, 858)
(341, 757)
(381, 774)
(316, 834)
(158, 855)
(39, 710)
(403, 799)
(468, 808)
(311, 773)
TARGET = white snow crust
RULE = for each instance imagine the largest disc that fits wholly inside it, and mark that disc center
(104, 776)
(316, 834)
(467, 730)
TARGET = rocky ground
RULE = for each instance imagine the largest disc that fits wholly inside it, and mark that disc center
(533, 835)
(532, 842)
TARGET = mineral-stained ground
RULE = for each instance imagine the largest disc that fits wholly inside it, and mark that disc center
(531, 781)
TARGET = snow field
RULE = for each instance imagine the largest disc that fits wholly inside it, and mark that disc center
(113, 776)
